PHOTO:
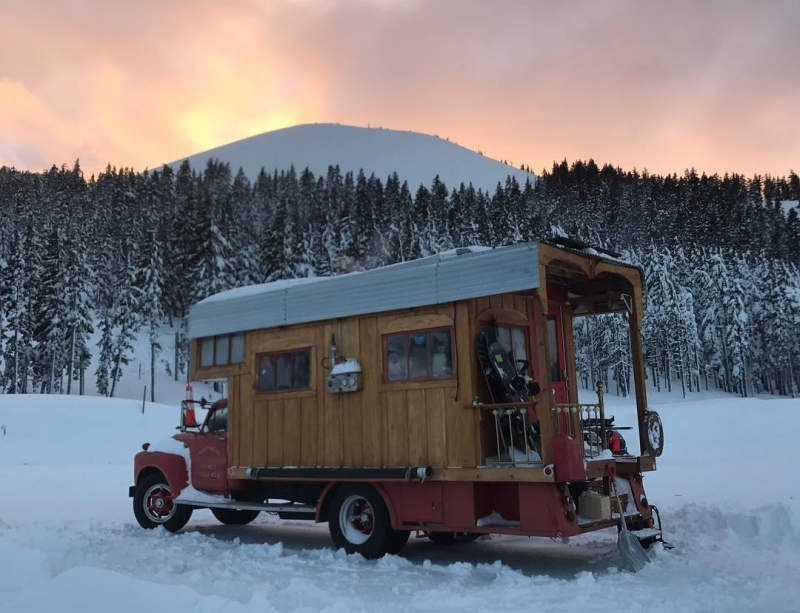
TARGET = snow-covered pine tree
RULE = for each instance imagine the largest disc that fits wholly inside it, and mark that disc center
(49, 310)
(149, 299)
(78, 313)
(15, 278)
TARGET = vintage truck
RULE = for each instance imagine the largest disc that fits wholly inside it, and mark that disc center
(437, 396)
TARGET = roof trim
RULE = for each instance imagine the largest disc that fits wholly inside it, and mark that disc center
(454, 275)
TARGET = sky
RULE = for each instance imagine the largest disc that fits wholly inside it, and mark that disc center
(662, 86)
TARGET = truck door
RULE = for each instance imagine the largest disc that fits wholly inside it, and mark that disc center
(209, 454)
(556, 354)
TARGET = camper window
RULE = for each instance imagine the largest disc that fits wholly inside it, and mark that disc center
(423, 354)
(284, 372)
(207, 352)
(514, 339)
(222, 350)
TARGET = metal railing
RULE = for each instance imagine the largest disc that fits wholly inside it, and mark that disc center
(516, 440)
(583, 421)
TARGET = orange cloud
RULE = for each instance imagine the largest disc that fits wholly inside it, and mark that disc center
(662, 86)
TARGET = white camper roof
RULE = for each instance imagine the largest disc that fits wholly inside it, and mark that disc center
(458, 274)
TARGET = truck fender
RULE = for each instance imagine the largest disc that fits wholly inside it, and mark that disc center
(171, 465)
(327, 495)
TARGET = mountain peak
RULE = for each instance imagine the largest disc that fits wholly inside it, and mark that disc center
(416, 157)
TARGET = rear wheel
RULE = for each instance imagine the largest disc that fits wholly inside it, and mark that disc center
(153, 505)
(358, 521)
(234, 517)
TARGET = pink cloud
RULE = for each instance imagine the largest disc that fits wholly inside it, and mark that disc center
(658, 86)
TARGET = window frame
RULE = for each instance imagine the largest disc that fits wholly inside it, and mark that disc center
(214, 338)
(406, 334)
(526, 331)
(275, 354)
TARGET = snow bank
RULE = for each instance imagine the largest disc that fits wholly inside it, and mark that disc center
(726, 485)
(54, 429)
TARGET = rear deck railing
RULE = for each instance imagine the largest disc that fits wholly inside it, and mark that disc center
(583, 421)
(516, 439)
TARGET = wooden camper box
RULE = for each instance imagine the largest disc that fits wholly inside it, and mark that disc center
(433, 422)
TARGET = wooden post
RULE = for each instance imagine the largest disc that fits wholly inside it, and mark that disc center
(601, 407)
(152, 371)
(637, 356)
(545, 398)
(569, 358)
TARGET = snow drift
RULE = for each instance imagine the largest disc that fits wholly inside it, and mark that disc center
(726, 486)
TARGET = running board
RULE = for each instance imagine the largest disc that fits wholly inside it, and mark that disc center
(240, 505)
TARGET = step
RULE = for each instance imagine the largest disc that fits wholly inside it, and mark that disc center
(240, 505)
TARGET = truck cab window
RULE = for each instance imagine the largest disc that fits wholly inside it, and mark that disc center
(218, 421)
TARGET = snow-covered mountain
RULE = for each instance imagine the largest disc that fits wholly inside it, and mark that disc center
(417, 158)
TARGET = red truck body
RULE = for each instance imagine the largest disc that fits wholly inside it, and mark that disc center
(442, 509)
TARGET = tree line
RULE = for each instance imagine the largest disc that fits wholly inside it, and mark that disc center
(126, 251)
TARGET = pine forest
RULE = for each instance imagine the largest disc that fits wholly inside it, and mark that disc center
(124, 253)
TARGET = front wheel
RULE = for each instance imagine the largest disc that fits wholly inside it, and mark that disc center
(233, 517)
(358, 521)
(153, 505)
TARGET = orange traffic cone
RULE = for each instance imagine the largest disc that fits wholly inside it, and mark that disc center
(189, 418)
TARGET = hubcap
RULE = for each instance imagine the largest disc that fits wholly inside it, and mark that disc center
(356, 519)
(654, 433)
(157, 503)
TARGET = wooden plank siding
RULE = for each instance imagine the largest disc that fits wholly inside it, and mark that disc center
(384, 424)
(391, 424)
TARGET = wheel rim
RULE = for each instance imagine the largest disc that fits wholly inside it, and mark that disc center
(654, 434)
(356, 519)
(158, 504)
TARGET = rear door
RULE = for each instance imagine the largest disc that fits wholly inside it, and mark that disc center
(556, 354)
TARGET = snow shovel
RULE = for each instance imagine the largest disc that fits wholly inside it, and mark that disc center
(630, 549)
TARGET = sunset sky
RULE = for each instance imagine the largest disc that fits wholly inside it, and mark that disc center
(662, 86)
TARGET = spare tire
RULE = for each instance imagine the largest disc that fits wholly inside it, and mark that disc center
(235, 517)
(654, 434)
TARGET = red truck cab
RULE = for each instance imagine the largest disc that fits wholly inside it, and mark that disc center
(187, 471)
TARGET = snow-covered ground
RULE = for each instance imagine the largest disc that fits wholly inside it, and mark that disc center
(727, 487)
(412, 155)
